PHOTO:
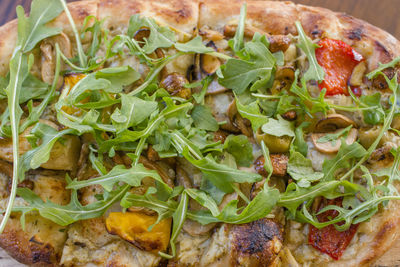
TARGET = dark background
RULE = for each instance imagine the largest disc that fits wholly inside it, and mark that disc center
(381, 13)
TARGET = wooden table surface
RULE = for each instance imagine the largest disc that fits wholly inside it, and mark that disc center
(381, 13)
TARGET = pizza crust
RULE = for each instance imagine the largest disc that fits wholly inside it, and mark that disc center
(182, 16)
(373, 43)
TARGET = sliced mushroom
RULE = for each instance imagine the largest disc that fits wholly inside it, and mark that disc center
(209, 64)
(358, 74)
(275, 144)
(182, 178)
(379, 82)
(328, 147)
(48, 62)
(284, 78)
(210, 34)
(174, 83)
(333, 122)
(238, 121)
(141, 34)
(162, 171)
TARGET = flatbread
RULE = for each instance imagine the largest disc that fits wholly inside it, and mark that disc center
(45, 244)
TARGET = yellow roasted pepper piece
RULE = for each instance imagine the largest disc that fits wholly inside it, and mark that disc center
(133, 226)
(69, 81)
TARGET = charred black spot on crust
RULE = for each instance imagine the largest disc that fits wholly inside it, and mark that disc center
(355, 34)
(80, 244)
(381, 48)
(34, 240)
(254, 237)
(316, 32)
(183, 13)
(255, 242)
(43, 256)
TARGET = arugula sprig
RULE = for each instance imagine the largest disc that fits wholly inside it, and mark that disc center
(31, 31)
(74, 211)
(315, 71)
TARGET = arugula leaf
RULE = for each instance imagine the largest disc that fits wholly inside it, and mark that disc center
(194, 46)
(294, 196)
(96, 31)
(353, 211)
(32, 88)
(164, 209)
(203, 118)
(279, 127)
(267, 160)
(160, 37)
(132, 176)
(318, 104)
(74, 211)
(256, 68)
(237, 42)
(299, 144)
(342, 159)
(252, 113)
(258, 208)
(118, 77)
(300, 169)
(41, 154)
(220, 175)
(285, 104)
(240, 147)
(333, 137)
(133, 111)
(315, 71)
(171, 110)
(33, 29)
(110, 80)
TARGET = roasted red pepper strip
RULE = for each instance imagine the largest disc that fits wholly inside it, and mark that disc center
(329, 240)
(338, 60)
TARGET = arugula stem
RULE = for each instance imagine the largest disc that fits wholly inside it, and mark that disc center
(240, 193)
(266, 96)
(219, 55)
(139, 149)
(81, 53)
(72, 65)
(15, 116)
